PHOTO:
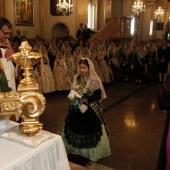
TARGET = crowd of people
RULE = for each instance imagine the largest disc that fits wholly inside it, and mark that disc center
(127, 60)
(130, 61)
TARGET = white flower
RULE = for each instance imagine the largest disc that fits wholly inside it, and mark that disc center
(77, 94)
(83, 108)
(73, 94)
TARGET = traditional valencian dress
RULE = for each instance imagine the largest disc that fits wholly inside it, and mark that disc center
(44, 75)
(62, 77)
(126, 62)
(139, 64)
(70, 64)
(85, 133)
(105, 69)
(52, 52)
(77, 56)
(94, 59)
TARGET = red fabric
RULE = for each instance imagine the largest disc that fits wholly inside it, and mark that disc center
(168, 151)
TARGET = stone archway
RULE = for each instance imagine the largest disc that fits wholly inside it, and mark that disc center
(57, 28)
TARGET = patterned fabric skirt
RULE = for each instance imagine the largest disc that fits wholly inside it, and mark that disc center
(95, 153)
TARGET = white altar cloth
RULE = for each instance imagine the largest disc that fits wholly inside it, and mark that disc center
(49, 155)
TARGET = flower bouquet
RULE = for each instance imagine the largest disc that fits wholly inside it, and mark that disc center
(81, 91)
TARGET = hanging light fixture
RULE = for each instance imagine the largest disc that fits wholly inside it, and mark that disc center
(159, 11)
(138, 7)
(64, 7)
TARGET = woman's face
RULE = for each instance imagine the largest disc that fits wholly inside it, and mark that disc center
(60, 55)
(77, 52)
(86, 51)
(112, 44)
(43, 49)
(67, 54)
(92, 49)
(140, 47)
(81, 43)
(84, 70)
(53, 44)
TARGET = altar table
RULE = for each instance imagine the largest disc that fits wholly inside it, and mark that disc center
(49, 155)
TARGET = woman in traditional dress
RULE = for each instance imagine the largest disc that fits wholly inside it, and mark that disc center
(126, 61)
(61, 75)
(81, 46)
(113, 58)
(94, 58)
(85, 133)
(77, 55)
(105, 69)
(70, 64)
(151, 60)
(44, 73)
(86, 53)
(66, 46)
(139, 64)
(95, 44)
(52, 52)
(163, 60)
(37, 46)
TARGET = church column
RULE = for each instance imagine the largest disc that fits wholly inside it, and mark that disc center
(116, 8)
(101, 13)
(2, 5)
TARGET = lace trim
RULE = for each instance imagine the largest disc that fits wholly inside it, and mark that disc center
(82, 141)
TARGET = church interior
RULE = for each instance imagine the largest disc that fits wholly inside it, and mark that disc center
(131, 111)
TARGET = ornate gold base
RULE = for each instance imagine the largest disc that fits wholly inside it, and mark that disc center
(30, 129)
(27, 87)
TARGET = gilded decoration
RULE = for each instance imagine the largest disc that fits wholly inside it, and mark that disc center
(27, 102)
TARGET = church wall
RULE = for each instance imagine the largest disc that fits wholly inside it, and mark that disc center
(70, 21)
(49, 20)
(119, 8)
(126, 8)
(29, 31)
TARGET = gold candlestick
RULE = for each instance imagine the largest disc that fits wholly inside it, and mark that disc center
(26, 59)
(27, 102)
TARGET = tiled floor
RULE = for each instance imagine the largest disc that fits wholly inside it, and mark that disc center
(133, 118)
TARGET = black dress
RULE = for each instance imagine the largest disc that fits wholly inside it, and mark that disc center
(82, 132)
(163, 58)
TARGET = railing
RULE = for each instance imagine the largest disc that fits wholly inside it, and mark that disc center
(116, 28)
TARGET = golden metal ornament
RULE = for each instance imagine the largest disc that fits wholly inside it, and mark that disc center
(26, 59)
(27, 102)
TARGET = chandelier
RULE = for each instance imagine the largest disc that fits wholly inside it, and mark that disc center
(138, 7)
(64, 7)
(159, 11)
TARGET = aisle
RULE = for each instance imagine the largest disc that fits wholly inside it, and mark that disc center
(133, 118)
